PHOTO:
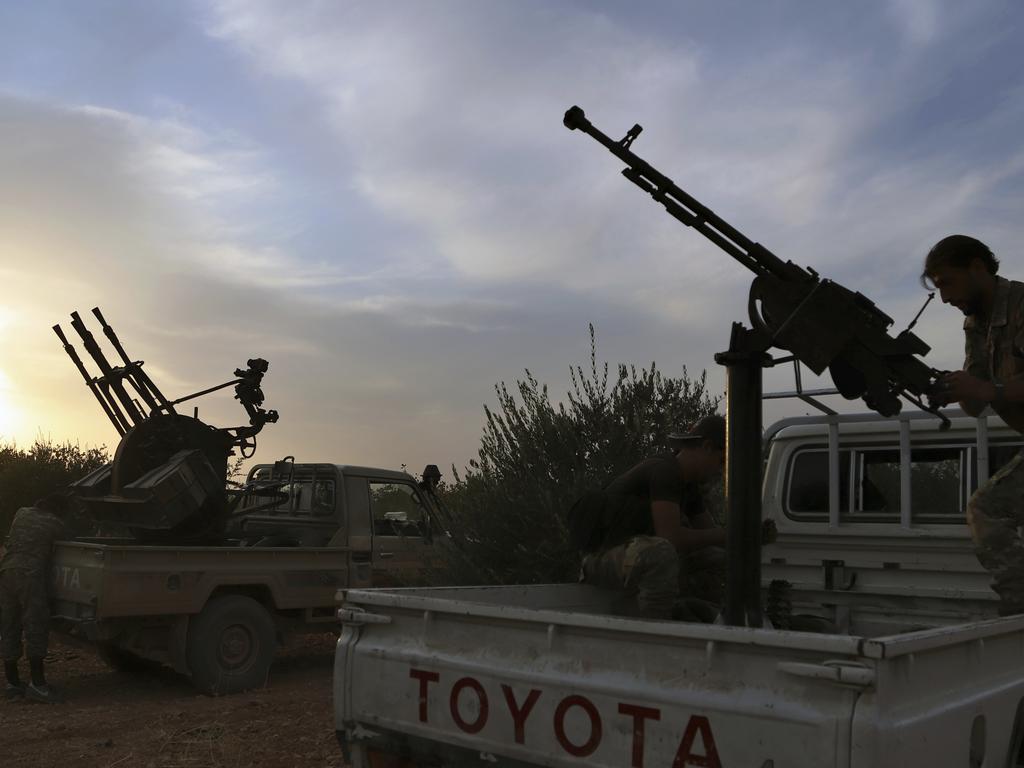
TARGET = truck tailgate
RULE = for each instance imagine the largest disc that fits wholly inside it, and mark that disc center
(77, 577)
(535, 675)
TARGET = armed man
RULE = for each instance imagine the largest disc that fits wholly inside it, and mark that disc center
(636, 531)
(24, 592)
(964, 272)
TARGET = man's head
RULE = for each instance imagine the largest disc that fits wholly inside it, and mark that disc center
(962, 270)
(60, 503)
(701, 449)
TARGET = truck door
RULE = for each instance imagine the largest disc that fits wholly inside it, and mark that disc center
(401, 546)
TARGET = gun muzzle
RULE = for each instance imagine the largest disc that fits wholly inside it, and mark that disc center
(575, 118)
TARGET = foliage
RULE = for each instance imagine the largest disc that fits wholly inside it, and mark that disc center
(537, 457)
(26, 475)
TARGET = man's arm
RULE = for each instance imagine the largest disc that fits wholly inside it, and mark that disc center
(974, 393)
(665, 515)
(962, 386)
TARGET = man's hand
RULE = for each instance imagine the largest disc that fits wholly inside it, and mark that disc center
(960, 386)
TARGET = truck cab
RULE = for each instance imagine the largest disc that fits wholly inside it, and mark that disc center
(870, 514)
(388, 520)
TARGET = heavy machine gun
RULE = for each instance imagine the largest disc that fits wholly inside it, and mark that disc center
(823, 324)
(168, 480)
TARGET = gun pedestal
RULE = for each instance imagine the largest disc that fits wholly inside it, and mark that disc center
(744, 361)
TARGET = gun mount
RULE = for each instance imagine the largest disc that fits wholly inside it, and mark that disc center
(821, 323)
(168, 480)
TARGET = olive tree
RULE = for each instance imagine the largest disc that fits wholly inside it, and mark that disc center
(537, 456)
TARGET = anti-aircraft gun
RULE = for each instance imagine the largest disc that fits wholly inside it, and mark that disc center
(823, 324)
(168, 480)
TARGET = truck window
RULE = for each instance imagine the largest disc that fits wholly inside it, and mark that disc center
(397, 510)
(876, 487)
(807, 487)
(309, 496)
(938, 484)
(937, 489)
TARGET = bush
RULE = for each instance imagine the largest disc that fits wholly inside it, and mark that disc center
(45, 467)
(536, 458)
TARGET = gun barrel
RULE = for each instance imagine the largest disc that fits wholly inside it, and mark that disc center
(110, 377)
(90, 382)
(140, 380)
(677, 202)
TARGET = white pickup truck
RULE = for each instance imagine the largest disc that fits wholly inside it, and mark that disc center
(915, 669)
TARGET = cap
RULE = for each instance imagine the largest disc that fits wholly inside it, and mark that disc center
(711, 428)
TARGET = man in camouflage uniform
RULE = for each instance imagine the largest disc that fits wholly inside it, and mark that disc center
(964, 271)
(657, 533)
(24, 593)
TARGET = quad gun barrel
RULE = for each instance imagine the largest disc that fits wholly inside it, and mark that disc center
(168, 479)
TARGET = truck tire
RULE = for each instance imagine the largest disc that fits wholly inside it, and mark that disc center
(230, 646)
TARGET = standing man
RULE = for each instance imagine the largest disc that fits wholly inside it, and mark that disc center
(24, 593)
(651, 517)
(964, 272)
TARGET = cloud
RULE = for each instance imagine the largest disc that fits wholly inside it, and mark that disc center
(139, 216)
(381, 198)
(451, 119)
(918, 19)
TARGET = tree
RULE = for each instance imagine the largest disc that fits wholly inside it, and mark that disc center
(537, 457)
(26, 475)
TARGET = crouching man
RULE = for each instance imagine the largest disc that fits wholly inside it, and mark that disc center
(647, 525)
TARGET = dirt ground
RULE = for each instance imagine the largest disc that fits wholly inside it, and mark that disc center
(155, 718)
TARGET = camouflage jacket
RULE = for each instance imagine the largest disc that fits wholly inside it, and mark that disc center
(31, 538)
(995, 345)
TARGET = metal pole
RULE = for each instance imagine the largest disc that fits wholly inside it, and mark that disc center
(906, 476)
(744, 362)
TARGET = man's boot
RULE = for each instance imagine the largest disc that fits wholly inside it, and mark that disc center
(14, 690)
(38, 690)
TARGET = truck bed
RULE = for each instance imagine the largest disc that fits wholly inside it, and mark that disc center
(98, 581)
(542, 675)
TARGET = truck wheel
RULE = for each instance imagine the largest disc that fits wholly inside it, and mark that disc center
(230, 645)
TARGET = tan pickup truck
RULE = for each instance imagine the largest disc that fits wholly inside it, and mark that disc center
(218, 613)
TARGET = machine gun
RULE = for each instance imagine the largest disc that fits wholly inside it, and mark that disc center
(168, 479)
(823, 324)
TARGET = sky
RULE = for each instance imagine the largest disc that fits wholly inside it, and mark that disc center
(381, 200)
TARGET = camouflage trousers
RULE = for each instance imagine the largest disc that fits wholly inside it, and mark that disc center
(655, 580)
(24, 607)
(994, 514)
